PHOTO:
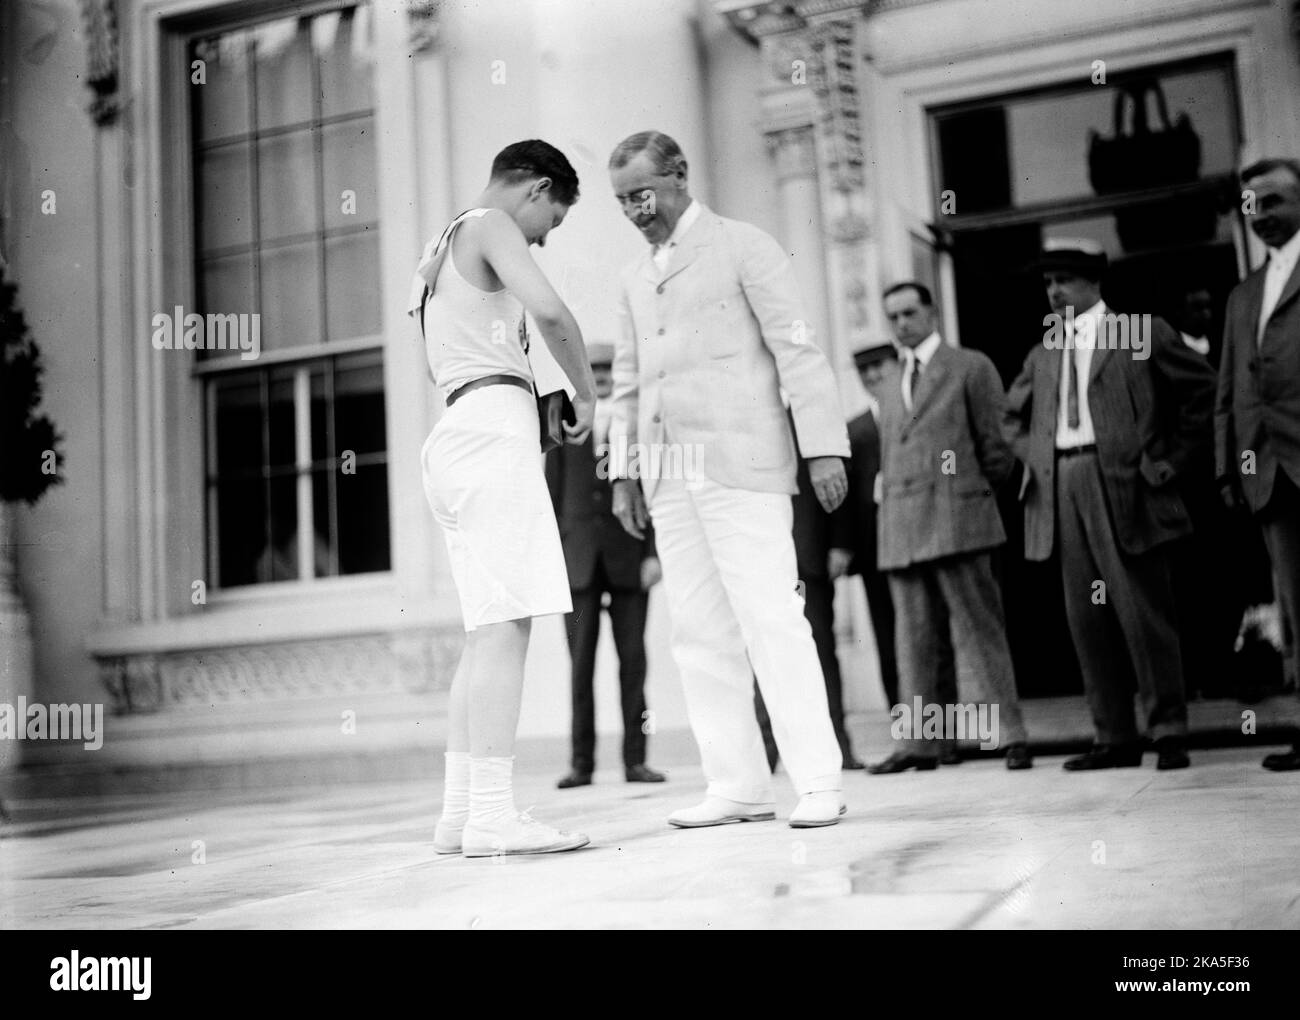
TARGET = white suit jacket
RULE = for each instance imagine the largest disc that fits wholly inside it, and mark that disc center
(705, 349)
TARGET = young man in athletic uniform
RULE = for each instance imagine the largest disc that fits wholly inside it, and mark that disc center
(484, 481)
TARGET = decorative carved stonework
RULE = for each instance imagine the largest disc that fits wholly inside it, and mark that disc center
(812, 60)
(100, 20)
(794, 152)
(414, 662)
(422, 18)
(833, 77)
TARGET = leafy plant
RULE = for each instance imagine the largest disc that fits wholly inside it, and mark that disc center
(30, 458)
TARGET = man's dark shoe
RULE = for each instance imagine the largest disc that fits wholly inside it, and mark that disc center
(1018, 757)
(1106, 756)
(1287, 761)
(852, 764)
(950, 756)
(901, 763)
(643, 774)
(573, 779)
(1171, 753)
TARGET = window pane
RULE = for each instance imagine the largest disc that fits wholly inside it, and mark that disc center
(323, 540)
(286, 185)
(225, 216)
(282, 557)
(290, 307)
(349, 154)
(363, 520)
(238, 420)
(241, 532)
(320, 423)
(359, 405)
(221, 102)
(352, 291)
(281, 420)
(342, 44)
(1052, 146)
(283, 73)
(226, 284)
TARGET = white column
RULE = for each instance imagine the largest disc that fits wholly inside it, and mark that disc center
(793, 151)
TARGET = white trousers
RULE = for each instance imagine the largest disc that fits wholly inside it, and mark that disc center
(730, 576)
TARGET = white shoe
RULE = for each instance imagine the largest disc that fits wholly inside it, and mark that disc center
(720, 811)
(518, 835)
(817, 809)
(447, 838)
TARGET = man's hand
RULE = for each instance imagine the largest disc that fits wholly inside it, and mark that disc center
(584, 412)
(651, 572)
(837, 563)
(1230, 495)
(629, 507)
(829, 481)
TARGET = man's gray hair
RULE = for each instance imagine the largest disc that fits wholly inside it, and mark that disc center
(664, 152)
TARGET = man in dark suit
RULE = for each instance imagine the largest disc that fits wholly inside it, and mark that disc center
(941, 455)
(602, 559)
(1257, 411)
(854, 536)
(812, 546)
(1108, 413)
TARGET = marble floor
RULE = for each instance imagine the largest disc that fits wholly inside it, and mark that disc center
(970, 846)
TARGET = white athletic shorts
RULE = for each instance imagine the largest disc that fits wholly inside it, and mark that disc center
(483, 477)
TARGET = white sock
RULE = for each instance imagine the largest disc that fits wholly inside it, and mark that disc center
(455, 789)
(491, 792)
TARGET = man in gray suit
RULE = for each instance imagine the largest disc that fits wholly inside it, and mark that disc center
(1107, 414)
(941, 455)
(1257, 413)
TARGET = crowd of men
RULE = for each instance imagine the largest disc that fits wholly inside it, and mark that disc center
(1115, 446)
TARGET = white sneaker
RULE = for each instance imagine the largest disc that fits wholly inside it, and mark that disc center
(447, 838)
(720, 811)
(518, 835)
(817, 809)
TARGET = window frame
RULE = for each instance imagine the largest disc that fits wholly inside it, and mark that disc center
(202, 373)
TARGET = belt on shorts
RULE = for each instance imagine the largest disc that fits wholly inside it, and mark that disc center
(1074, 451)
(488, 380)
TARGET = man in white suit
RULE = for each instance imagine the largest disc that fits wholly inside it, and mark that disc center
(713, 330)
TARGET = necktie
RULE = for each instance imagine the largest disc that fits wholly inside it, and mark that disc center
(1072, 389)
(915, 379)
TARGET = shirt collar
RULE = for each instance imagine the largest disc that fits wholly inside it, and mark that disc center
(1288, 253)
(924, 351)
(684, 223)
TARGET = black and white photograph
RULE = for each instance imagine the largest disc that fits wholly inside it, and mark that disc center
(651, 465)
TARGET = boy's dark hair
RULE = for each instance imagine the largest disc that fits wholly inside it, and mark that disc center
(524, 161)
(922, 291)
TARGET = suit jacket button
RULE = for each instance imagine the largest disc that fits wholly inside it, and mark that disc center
(663, 375)
(655, 419)
(662, 331)
(659, 289)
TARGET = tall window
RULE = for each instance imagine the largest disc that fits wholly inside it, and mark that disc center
(286, 227)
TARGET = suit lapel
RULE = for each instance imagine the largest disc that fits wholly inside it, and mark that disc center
(1254, 287)
(932, 377)
(1289, 291)
(1052, 365)
(699, 235)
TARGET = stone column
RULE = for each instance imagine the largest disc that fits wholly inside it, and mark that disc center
(793, 151)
